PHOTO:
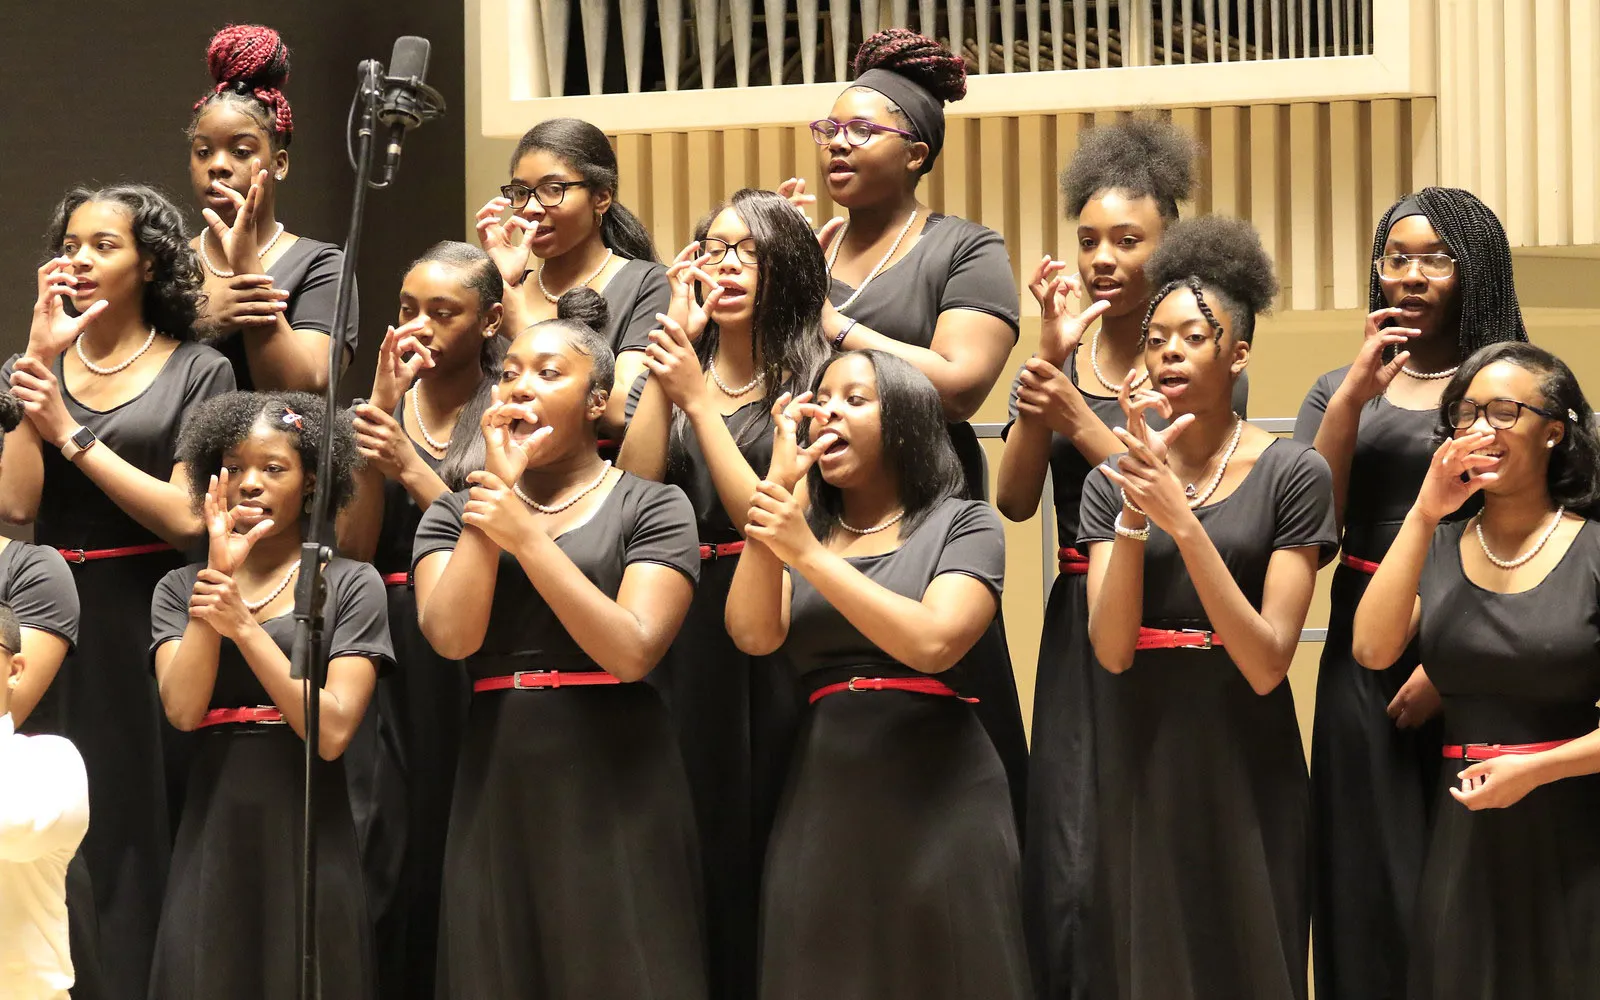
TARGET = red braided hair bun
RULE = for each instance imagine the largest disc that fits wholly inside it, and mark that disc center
(251, 60)
(919, 59)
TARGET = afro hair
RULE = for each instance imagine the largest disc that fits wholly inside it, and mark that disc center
(1145, 157)
(221, 422)
(1226, 258)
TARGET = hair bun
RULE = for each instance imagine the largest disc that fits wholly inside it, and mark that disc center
(584, 305)
(250, 55)
(1144, 156)
(10, 411)
(916, 57)
(1223, 253)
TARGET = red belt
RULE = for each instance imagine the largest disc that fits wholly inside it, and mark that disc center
(916, 685)
(1072, 561)
(1177, 638)
(94, 555)
(1357, 564)
(1489, 751)
(530, 680)
(396, 579)
(264, 715)
(713, 552)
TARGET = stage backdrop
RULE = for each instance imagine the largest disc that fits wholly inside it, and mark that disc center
(103, 95)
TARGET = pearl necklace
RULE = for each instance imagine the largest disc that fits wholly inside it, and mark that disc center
(735, 393)
(838, 244)
(77, 345)
(1431, 375)
(1094, 362)
(1195, 497)
(205, 258)
(875, 528)
(416, 414)
(254, 606)
(558, 508)
(539, 277)
(1519, 560)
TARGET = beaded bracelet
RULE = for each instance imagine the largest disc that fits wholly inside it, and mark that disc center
(1138, 535)
(1130, 505)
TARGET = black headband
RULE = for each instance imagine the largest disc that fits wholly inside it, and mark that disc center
(1404, 209)
(925, 111)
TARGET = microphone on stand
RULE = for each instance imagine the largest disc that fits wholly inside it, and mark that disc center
(407, 101)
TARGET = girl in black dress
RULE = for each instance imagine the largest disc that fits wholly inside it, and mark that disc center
(1441, 288)
(221, 634)
(1503, 606)
(1123, 187)
(1197, 595)
(571, 869)
(562, 197)
(95, 469)
(269, 293)
(892, 871)
(430, 368)
(702, 422)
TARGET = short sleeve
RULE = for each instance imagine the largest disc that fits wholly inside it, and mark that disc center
(1011, 405)
(169, 607)
(635, 393)
(663, 530)
(975, 546)
(1314, 407)
(210, 374)
(42, 593)
(633, 333)
(1304, 505)
(311, 305)
(981, 279)
(439, 528)
(361, 615)
(1101, 504)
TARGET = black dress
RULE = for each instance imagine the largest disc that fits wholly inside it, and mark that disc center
(1509, 907)
(37, 586)
(309, 272)
(893, 871)
(572, 869)
(421, 709)
(231, 917)
(108, 698)
(958, 264)
(1372, 785)
(1059, 836)
(1204, 812)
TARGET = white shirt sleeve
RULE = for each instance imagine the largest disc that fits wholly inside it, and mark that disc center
(44, 798)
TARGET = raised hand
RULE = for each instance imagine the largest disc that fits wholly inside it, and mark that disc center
(1455, 474)
(53, 330)
(826, 233)
(794, 189)
(672, 361)
(35, 385)
(1062, 322)
(240, 242)
(1143, 473)
(1369, 375)
(227, 548)
(687, 269)
(778, 521)
(493, 508)
(401, 358)
(504, 456)
(790, 462)
(500, 241)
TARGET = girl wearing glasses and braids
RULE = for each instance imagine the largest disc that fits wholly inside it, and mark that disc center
(269, 293)
(562, 199)
(932, 289)
(703, 421)
(1503, 608)
(1441, 288)
(1203, 540)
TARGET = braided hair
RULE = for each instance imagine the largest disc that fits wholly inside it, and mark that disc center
(917, 58)
(250, 65)
(1142, 157)
(1218, 257)
(1486, 288)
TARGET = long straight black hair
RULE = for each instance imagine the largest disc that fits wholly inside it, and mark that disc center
(585, 149)
(916, 446)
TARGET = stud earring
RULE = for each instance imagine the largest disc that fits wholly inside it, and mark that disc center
(1550, 443)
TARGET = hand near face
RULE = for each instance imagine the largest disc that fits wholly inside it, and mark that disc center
(226, 547)
(505, 456)
(1062, 323)
(790, 461)
(1370, 375)
(687, 270)
(401, 358)
(240, 241)
(53, 330)
(1455, 474)
(1143, 473)
(501, 240)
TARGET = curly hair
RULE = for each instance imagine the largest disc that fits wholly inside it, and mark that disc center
(1144, 157)
(1225, 258)
(10, 415)
(916, 57)
(173, 296)
(1485, 285)
(221, 422)
(250, 65)
(585, 149)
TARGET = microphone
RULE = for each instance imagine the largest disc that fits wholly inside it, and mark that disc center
(407, 101)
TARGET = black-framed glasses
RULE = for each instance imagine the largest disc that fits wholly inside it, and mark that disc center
(717, 250)
(1395, 266)
(857, 131)
(1501, 413)
(549, 194)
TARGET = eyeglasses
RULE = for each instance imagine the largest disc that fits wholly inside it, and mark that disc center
(1502, 413)
(857, 131)
(717, 250)
(1395, 266)
(549, 194)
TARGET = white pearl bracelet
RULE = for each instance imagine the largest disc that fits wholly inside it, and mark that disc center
(1139, 535)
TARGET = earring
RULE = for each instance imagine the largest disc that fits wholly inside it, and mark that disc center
(1550, 443)
(278, 177)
